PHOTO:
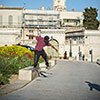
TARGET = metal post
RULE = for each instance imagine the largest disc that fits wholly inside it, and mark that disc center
(91, 53)
(23, 26)
(70, 53)
(80, 53)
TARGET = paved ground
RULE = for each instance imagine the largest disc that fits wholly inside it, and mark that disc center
(69, 81)
(18, 84)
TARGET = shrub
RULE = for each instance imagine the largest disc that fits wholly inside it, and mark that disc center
(3, 80)
(13, 58)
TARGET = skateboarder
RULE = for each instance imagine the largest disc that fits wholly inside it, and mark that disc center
(39, 51)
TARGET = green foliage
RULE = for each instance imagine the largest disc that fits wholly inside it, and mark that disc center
(3, 80)
(90, 22)
(13, 58)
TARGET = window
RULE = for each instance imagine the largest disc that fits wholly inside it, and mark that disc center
(30, 37)
(10, 20)
(30, 31)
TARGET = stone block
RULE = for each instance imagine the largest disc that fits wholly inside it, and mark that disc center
(27, 74)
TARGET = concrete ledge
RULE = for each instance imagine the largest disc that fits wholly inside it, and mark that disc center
(27, 74)
(51, 64)
(71, 58)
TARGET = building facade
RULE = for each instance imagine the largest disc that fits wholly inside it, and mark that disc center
(71, 19)
(64, 29)
(10, 24)
(41, 18)
(92, 44)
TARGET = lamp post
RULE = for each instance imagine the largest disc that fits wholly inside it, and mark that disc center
(91, 53)
(23, 26)
(70, 52)
(80, 53)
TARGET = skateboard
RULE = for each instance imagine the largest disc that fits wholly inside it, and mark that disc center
(43, 73)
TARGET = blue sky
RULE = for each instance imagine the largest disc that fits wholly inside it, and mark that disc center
(78, 5)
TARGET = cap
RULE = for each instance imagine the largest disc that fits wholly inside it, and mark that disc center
(46, 37)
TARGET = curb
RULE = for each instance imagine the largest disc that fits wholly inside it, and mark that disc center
(17, 85)
(13, 87)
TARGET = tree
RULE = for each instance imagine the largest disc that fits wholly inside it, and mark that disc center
(90, 22)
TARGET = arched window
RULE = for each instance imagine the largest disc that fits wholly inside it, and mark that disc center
(10, 20)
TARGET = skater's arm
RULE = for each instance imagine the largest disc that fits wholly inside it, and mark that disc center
(53, 47)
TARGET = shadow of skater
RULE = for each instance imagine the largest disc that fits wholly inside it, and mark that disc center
(93, 86)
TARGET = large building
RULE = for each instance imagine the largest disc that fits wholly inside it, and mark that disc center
(63, 27)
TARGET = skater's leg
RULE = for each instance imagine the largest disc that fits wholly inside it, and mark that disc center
(45, 57)
(36, 58)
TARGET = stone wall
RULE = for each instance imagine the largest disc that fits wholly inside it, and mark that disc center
(92, 42)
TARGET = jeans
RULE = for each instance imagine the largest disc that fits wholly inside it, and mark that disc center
(37, 56)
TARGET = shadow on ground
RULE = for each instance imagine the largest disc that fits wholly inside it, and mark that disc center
(93, 86)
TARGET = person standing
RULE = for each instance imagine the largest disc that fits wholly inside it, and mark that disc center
(65, 55)
(83, 57)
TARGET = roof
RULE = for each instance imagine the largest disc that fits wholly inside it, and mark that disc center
(11, 8)
(75, 33)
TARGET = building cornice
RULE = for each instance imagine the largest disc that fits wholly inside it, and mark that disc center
(10, 8)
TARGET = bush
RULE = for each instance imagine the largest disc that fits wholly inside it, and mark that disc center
(13, 58)
(3, 80)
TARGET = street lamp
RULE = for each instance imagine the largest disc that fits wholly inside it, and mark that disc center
(23, 26)
(91, 53)
(70, 52)
(80, 53)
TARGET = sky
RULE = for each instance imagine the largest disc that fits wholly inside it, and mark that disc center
(78, 5)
